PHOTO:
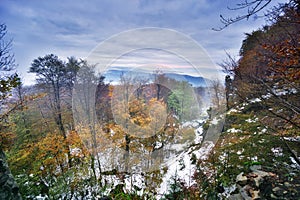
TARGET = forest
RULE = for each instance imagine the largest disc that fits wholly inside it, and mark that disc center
(75, 135)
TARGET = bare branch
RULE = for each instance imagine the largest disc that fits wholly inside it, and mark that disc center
(7, 61)
(253, 7)
(229, 65)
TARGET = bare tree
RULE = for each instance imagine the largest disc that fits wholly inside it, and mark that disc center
(7, 63)
(85, 112)
(8, 187)
(217, 93)
(7, 60)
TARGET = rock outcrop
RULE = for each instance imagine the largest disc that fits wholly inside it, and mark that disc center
(9, 189)
(259, 184)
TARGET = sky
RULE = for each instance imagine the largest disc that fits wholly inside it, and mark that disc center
(85, 29)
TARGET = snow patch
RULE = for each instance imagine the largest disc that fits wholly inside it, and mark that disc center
(254, 158)
(264, 130)
(295, 164)
(266, 96)
(233, 111)
(255, 100)
(76, 152)
(277, 151)
(251, 120)
(178, 147)
(215, 121)
(112, 132)
(133, 182)
(239, 152)
(292, 139)
(228, 191)
(198, 133)
(41, 197)
(193, 124)
(233, 130)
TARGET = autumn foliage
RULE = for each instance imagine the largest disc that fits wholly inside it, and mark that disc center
(269, 67)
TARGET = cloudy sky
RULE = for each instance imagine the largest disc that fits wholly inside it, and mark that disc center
(80, 28)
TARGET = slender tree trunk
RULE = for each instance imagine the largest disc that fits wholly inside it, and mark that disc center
(95, 153)
(126, 155)
(57, 100)
(93, 165)
(158, 91)
(58, 117)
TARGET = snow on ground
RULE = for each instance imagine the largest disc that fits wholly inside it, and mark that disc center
(239, 152)
(251, 120)
(41, 197)
(199, 136)
(205, 150)
(182, 167)
(133, 182)
(233, 130)
(266, 96)
(255, 100)
(293, 139)
(264, 130)
(228, 191)
(233, 111)
(277, 151)
(193, 124)
(178, 147)
(280, 92)
(178, 164)
(77, 152)
(295, 164)
(215, 121)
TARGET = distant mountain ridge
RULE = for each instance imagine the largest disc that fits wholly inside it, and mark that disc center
(195, 81)
(114, 75)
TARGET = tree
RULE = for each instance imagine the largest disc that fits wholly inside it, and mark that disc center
(55, 76)
(103, 101)
(72, 68)
(251, 40)
(9, 189)
(182, 100)
(228, 90)
(268, 70)
(159, 77)
(173, 103)
(271, 65)
(73, 65)
(51, 73)
(7, 63)
(85, 111)
(121, 102)
(217, 95)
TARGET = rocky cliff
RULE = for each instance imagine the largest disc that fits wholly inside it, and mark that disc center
(9, 189)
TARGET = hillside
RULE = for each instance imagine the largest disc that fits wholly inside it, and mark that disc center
(127, 134)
